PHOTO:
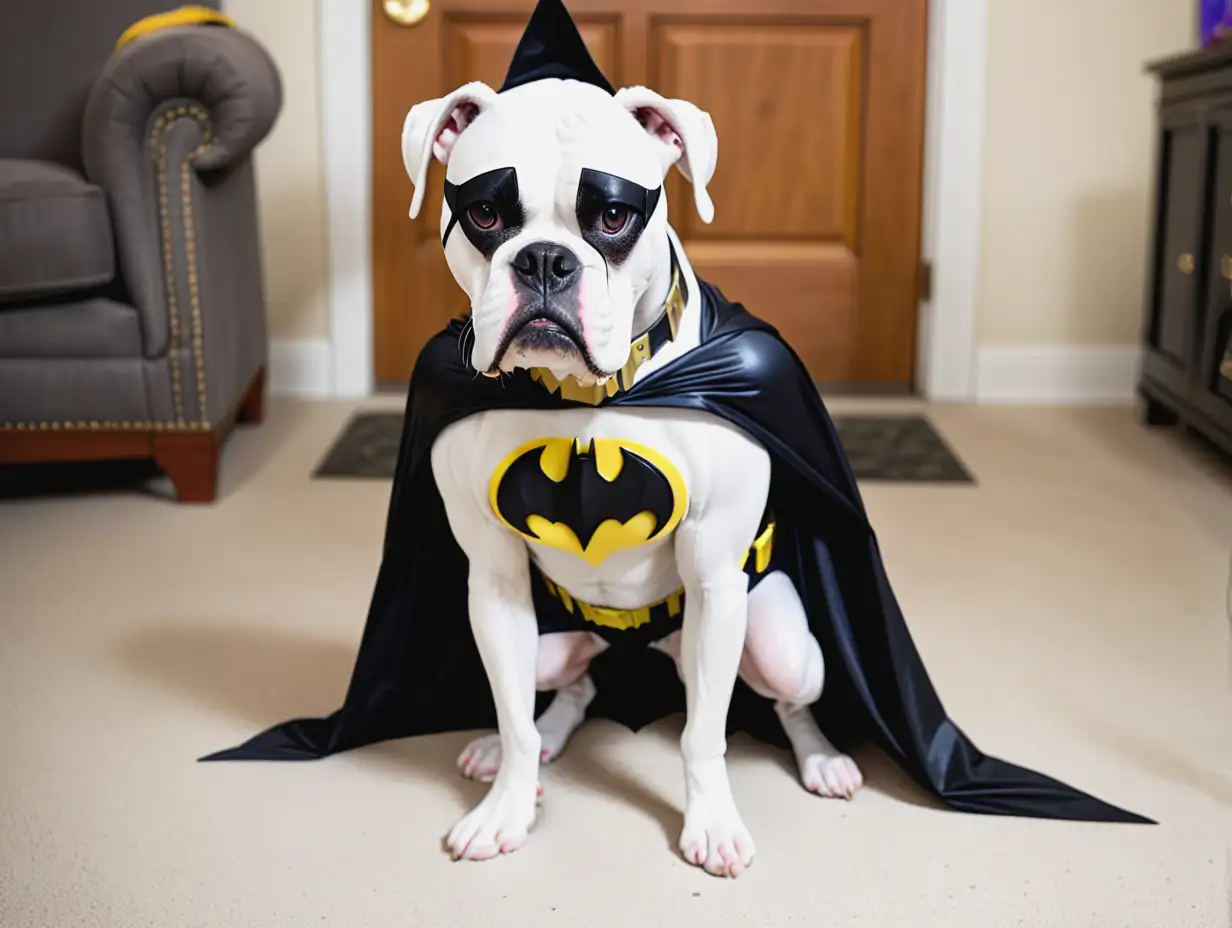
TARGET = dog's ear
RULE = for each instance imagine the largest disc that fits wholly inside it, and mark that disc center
(685, 135)
(432, 128)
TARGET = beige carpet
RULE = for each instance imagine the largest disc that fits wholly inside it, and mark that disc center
(1071, 610)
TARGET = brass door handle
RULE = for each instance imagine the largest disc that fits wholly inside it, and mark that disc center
(1185, 263)
(407, 12)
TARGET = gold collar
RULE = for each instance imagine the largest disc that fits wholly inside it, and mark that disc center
(644, 347)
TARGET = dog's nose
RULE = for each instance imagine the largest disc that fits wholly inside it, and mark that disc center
(546, 267)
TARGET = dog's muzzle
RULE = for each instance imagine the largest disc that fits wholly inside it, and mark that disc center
(547, 277)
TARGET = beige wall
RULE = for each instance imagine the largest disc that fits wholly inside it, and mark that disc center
(289, 170)
(1067, 166)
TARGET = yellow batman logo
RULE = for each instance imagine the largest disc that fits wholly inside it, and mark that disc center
(589, 498)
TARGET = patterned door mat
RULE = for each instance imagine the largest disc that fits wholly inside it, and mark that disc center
(902, 448)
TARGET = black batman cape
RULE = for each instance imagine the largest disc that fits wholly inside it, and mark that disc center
(418, 670)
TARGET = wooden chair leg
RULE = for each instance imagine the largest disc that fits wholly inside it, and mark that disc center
(190, 460)
(252, 408)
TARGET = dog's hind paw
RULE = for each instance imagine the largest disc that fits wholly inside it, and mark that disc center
(553, 742)
(481, 758)
(830, 775)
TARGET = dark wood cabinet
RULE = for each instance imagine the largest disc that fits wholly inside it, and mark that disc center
(1187, 357)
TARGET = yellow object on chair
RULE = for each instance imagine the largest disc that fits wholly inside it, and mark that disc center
(183, 16)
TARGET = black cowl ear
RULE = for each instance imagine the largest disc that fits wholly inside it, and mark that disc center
(551, 47)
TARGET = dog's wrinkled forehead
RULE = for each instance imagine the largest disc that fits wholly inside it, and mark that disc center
(549, 132)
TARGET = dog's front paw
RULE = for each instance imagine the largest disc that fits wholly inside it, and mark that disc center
(500, 824)
(830, 775)
(715, 838)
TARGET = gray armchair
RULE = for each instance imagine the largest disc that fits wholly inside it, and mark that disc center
(132, 310)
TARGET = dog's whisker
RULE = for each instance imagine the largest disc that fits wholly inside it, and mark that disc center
(468, 329)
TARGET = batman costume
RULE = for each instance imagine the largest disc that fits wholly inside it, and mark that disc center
(418, 671)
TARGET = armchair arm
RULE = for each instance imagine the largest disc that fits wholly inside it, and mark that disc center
(225, 71)
(168, 130)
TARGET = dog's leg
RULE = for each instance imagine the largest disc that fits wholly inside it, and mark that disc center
(506, 632)
(782, 661)
(563, 660)
(711, 641)
(562, 717)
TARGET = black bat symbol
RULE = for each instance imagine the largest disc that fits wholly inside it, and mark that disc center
(584, 499)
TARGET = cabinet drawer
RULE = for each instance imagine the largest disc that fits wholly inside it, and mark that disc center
(1212, 395)
(1216, 390)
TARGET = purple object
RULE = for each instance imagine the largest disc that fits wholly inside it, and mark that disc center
(1215, 20)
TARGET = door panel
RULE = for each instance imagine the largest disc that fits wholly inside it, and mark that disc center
(818, 106)
(1180, 253)
(1212, 317)
(786, 187)
(806, 190)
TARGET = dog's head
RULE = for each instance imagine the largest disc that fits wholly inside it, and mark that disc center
(555, 218)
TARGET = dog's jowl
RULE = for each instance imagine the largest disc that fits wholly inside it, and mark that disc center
(619, 495)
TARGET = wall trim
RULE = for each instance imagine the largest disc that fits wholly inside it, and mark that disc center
(953, 198)
(1058, 375)
(301, 367)
(953, 160)
(343, 35)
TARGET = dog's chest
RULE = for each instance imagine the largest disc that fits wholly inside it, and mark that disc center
(599, 494)
(600, 488)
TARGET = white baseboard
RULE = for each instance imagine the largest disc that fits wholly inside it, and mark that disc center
(1057, 375)
(301, 367)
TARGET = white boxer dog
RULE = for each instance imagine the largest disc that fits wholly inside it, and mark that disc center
(556, 226)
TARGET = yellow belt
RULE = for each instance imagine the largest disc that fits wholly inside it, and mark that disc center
(623, 619)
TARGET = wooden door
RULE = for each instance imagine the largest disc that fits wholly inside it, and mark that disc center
(819, 110)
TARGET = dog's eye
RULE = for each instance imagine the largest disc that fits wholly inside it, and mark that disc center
(614, 218)
(484, 215)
